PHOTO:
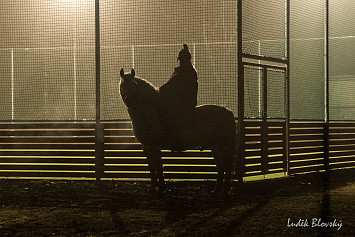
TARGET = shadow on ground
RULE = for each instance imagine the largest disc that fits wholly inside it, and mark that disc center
(114, 208)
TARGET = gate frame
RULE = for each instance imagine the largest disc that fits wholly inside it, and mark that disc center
(241, 125)
(269, 61)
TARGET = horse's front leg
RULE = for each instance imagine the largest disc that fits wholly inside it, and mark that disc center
(219, 183)
(227, 180)
(152, 172)
(155, 167)
(158, 166)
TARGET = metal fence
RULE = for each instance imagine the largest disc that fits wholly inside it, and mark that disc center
(283, 67)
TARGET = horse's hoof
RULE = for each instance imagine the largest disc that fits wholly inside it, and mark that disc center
(226, 191)
(216, 193)
(160, 193)
(162, 187)
(224, 194)
(220, 193)
(153, 190)
(157, 192)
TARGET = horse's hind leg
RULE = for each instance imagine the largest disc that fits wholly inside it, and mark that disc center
(223, 180)
(227, 180)
(228, 161)
(224, 163)
(218, 160)
(228, 166)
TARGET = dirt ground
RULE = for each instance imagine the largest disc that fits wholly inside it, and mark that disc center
(117, 208)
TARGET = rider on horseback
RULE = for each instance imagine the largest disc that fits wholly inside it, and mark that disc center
(179, 96)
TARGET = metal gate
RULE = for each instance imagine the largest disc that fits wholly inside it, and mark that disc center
(263, 87)
(265, 122)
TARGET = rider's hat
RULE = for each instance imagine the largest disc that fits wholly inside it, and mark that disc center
(184, 54)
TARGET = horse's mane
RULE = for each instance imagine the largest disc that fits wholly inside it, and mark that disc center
(149, 90)
(146, 84)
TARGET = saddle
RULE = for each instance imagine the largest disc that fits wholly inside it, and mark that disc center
(181, 132)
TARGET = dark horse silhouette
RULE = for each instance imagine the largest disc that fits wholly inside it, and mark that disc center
(214, 129)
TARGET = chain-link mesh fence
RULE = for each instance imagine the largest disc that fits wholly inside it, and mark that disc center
(307, 55)
(148, 36)
(264, 28)
(47, 60)
(264, 97)
(341, 60)
(47, 52)
(253, 92)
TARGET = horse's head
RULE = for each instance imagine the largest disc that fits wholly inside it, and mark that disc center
(136, 91)
(128, 88)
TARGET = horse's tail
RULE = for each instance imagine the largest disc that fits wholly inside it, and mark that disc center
(233, 142)
(234, 138)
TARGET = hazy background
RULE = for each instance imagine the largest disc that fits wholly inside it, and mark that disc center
(47, 67)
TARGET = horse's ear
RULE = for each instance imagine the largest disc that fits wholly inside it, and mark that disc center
(133, 73)
(122, 73)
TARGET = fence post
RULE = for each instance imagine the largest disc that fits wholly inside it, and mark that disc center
(240, 129)
(287, 123)
(99, 136)
(12, 85)
(264, 125)
(99, 151)
(326, 102)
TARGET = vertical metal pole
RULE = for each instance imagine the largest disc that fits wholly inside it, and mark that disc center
(12, 85)
(99, 148)
(326, 124)
(240, 147)
(264, 129)
(326, 203)
(75, 49)
(75, 80)
(260, 79)
(287, 160)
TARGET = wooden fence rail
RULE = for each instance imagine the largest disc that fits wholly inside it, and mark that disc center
(67, 150)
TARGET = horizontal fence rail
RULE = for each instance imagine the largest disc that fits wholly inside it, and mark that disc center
(47, 150)
(342, 145)
(124, 157)
(67, 150)
(306, 147)
(265, 148)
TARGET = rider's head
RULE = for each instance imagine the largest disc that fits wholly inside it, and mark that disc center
(184, 55)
